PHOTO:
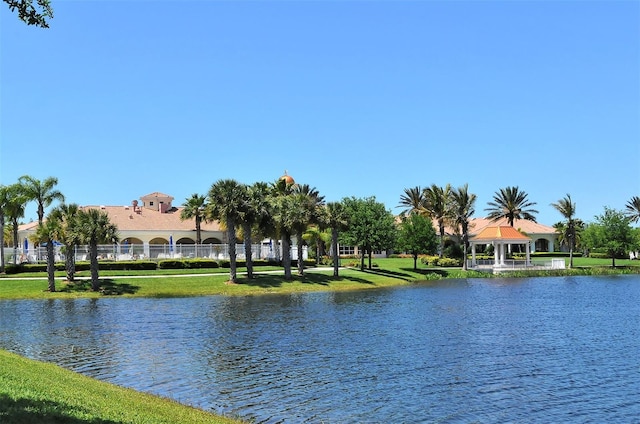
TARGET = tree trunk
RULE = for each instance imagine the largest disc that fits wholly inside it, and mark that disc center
(286, 256)
(415, 261)
(51, 266)
(70, 262)
(231, 242)
(93, 258)
(300, 259)
(369, 255)
(246, 229)
(334, 249)
(1, 243)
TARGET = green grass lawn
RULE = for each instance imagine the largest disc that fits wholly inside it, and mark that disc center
(202, 282)
(37, 392)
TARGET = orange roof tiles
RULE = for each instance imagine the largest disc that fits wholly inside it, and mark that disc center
(503, 232)
(141, 219)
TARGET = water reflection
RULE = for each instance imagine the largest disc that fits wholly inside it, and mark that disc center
(556, 349)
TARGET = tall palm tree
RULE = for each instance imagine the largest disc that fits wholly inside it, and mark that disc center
(4, 197)
(194, 208)
(462, 209)
(337, 221)
(226, 200)
(47, 233)
(66, 214)
(93, 227)
(437, 206)
(567, 209)
(253, 213)
(632, 209)
(14, 208)
(312, 202)
(412, 201)
(42, 192)
(512, 204)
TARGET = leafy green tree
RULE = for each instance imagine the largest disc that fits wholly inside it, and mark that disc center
(632, 209)
(226, 200)
(93, 227)
(612, 233)
(194, 208)
(462, 209)
(47, 233)
(437, 202)
(31, 14)
(512, 204)
(566, 235)
(370, 226)
(337, 221)
(567, 209)
(412, 201)
(42, 192)
(66, 215)
(417, 236)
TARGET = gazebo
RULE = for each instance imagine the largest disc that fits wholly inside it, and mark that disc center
(500, 237)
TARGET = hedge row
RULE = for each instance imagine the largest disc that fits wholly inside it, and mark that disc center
(147, 265)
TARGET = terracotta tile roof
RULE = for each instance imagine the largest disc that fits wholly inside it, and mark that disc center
(503, 232)
(126, 219)
(156, 194)
(476, 225)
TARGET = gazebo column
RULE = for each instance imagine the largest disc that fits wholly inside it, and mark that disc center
(496, 253)
(503, 253)
(528, 247)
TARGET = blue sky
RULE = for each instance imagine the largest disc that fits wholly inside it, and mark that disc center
(119, 99)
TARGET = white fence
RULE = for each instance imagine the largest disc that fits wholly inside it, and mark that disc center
(517, 264)
(128, 252)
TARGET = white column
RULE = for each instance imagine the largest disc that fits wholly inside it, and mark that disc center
(496, 253)
(473, 255)
(528, 253)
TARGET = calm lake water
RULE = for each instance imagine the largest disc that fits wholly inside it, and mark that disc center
(458, 351)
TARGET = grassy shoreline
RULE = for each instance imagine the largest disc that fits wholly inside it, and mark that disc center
(38, 392)
(177, 283)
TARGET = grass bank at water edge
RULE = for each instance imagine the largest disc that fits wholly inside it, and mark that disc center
(33, 392)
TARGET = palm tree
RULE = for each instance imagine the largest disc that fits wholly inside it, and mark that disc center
(94, 227)
(14, 208)
(66, 214)
(462, 209)
(337, 221)
(194, 208)
(437, 206)
(47, 232)
(226, 200)
(512, 204)
(567, 209)
(254, 212)
(311, 203)
(4, 197)
(633, 209)
(412, 201)
(42, 192)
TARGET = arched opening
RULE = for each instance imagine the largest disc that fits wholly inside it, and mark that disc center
(185, 240)
(542, 245)
(211, 240)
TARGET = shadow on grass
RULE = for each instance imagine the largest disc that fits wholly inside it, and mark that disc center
(388, 273)
(273, 281)
(26, 411)
(428, 271)
(108, 287)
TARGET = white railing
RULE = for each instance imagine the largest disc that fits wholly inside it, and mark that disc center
(129, 252)
(517, 264)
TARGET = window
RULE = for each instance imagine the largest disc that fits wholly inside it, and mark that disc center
(347, 250)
